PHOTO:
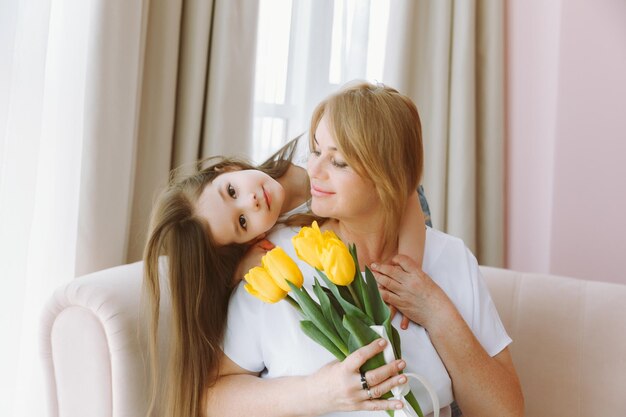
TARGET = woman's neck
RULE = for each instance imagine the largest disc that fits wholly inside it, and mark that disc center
(295, 182)
(369, 238)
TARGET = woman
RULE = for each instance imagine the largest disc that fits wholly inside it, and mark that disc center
(366, 160)
(204, 223)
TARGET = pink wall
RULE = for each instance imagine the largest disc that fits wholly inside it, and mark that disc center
(567, 138)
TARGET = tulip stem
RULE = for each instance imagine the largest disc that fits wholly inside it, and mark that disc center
(356, 298)
(294, 303)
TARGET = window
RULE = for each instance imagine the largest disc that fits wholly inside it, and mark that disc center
(305, 51)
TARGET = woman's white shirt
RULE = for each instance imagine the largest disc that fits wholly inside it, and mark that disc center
(266, 338)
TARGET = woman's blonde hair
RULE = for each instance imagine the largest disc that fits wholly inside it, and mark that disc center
(200, 275)
(378, 131)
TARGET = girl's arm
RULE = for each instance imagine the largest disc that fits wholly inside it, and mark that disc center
(412, 230)
(335, 387)
(252, 258)
(412, 239)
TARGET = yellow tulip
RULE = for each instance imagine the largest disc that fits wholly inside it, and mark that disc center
(329, 234)
(337, 262)
(308, 245)
(282, 268)
(260, 284)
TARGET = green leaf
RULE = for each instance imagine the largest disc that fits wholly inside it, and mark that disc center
(353, 252)
(359, 284)
(348, 308)
(395, 341)
(314, 333)
(314, 313)
(379, 308)
(343, 291)
(410, 398)
(361, 335)
(334, 301)
(394, 337)
(329, 312)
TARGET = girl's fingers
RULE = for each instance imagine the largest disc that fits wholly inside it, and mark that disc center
(405, 323)
(391, 298)
(406, 263)
(393, 272)
(387, 282)
(386, 269)
(265, 244)
(392, 312)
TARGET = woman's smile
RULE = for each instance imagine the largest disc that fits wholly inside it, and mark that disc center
(319, 192)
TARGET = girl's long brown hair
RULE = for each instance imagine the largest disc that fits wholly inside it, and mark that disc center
(200, 275)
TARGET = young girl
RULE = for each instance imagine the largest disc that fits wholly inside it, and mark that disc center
(205, 223)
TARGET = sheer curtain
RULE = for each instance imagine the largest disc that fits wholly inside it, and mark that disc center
(40, 170)
(306, 51)
(97, 97)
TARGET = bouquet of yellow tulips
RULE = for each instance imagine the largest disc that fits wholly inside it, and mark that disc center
(347, 307)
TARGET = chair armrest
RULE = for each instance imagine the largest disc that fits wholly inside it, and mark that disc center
(93, 346)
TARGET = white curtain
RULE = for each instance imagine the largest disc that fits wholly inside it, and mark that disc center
(449, 57)
(40, 165)
(94, 99)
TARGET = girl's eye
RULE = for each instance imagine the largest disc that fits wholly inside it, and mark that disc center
(230, 190)
(339, 164)
(315, 152)
(242, 222)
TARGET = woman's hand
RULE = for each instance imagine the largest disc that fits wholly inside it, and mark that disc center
(337, 386)
(252, 258)
(410, 290)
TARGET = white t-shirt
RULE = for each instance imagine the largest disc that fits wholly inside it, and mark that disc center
(266, 338)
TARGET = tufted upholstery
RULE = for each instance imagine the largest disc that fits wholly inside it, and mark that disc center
(569, 343)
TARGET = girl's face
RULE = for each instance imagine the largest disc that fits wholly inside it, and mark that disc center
(337, 191)
(241, 205)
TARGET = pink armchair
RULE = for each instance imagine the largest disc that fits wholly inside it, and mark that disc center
(569, 343)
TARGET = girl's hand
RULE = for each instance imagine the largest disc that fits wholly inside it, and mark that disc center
(392, 313)
(337, 386)
(252, 258)
(410, 290)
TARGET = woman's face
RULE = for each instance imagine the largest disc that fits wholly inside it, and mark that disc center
(337, 191)
(241, 205)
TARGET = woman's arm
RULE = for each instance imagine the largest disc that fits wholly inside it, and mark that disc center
(335, 387)
(483, 385)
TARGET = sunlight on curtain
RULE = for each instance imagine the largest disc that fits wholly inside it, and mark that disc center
(39, 183)
(270, 84)
(307, 50)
